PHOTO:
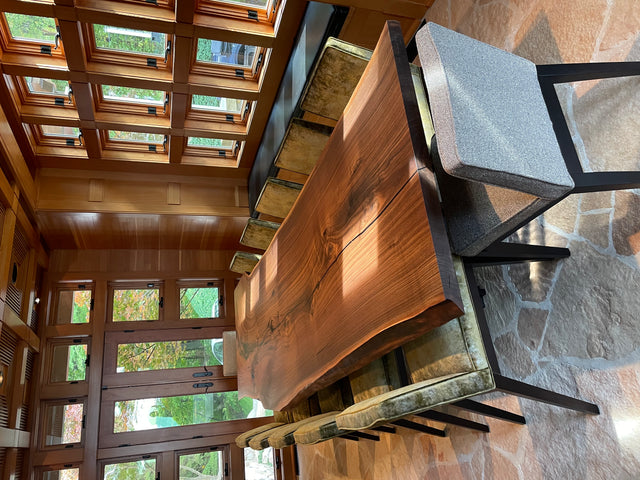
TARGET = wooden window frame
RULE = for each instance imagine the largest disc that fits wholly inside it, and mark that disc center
(212, 152)
(40, 139)
(209, 283)
(166, 4)
(127, 108)
(44, 417)
(267, 15)
(75, 286)
(25, 97)
(221, 70)
(224, 449)
(57, 342)
(201, 114)
(103, 463)
(111, 378)
(114, 57)
(31, 47)
(140, 147)
(135, 285)
(40, 471)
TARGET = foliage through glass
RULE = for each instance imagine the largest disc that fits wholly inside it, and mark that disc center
(74, 306)
(129, 40)
(140, 357)
(136, 304)
(69, 363)
(31, 28)
(199, 302)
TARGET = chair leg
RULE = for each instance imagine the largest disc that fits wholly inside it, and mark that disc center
(521, 389)
(502, 253)
(489, 411)
(419, 427)
(365, 436)
(606, 181)
(453, 420)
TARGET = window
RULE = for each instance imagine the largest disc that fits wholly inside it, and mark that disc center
(216, 104)
(201, 464)
(184, 410)
(74, 305)
(54, 135)
(64, 423)
(201, 300)
(228, 59)
(134, 141)
(128, 46)
(137, 137)
(136, 304)
(259, 464)
(114, 93)
(263, 11)
(30, 34)
(46, 86)
(60, 131)
(128, 40)
(65, 473)
(145, 356)
(143, 469)
(68, 361)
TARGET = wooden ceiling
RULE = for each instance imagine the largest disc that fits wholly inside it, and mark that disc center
(109, 194)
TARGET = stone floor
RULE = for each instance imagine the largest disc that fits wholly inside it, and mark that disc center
(574, 325)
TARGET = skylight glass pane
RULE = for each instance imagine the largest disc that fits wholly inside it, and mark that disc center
(261, 4)
(130, 40)
(59, 131)
(47, 86)
(133, 95)
(226, 53)
(218, 104)
(210, 142)
(31, 28)
(135, 136)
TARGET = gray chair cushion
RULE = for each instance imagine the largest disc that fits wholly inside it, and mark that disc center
(321, 429)
(489, 115)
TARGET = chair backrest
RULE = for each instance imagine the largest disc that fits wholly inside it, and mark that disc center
(498, 161)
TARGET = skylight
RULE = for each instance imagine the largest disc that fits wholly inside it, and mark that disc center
(210, 143)
(129, 40)
(219, 104)
(262, 4)
(133, 95)
(225, 53)
(47, 86)
(138, 137)
(60, 131)
(31, 28)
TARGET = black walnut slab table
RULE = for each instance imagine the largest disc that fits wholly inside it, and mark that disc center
(362, 263)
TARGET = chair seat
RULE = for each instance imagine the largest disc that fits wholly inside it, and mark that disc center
(279, 437)
(414, 398)
(242, 440)
(319, 430)
(490, 119)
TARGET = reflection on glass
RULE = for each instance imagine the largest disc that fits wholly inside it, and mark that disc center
(130, 40)
(136, 304)
(64, 424)
(210, 142)
(47, 86)
(69, 363)
(199, 302)
(74, 306)
(140, 357)
(204, 465)
(64, 474)
(139, 137)
(220, 104)
(134, 95)
(31, 28)
(163, 412)
(140, 470)
(258, 464)
(226, 53)
(60, 131)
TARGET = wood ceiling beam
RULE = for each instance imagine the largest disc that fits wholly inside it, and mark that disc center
(49, 115)
(402, 8)
(73, 194)
(91, 142)
(179, 104)
(73, 45)
(176, 148)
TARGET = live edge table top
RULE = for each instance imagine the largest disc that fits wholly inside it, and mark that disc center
(362, 263)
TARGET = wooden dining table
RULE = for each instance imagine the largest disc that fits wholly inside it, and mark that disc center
(362, 263)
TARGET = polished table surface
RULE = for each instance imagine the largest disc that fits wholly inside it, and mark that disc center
(362, 263)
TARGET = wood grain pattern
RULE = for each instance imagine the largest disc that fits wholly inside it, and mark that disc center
(259, 233)
(362, 264)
